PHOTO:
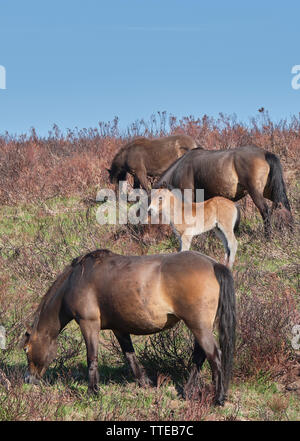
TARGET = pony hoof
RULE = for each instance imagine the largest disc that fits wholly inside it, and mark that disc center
(93, 390)
(145, 382)
(220, 402)
(268, 235)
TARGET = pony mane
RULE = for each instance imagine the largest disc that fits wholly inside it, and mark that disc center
(96, 255)
(163, 177)
(99, 254)
(50, 292)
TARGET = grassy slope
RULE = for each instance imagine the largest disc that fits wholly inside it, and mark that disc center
(38, 240)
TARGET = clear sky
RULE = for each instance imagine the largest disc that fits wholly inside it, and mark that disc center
(77, 62)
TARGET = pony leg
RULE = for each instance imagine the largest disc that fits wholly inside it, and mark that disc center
(129, 353)
(261, 204)
(90, 330)
(141, 176)
(185, 242)
(198, 358)
(232, 244)
(208, 344)
(221, 235)
(136, 182)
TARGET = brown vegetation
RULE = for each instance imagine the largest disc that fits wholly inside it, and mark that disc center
(34, 168)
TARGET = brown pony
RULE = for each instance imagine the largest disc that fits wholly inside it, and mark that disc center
(138, 295)
(232, 174)
(144, 157)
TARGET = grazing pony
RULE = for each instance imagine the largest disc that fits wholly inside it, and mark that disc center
(144, 157)
(138, 295)
(217, 213)
(232, 174)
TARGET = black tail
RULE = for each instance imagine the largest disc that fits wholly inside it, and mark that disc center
(226, 315)
(238, 219)
(275, 182)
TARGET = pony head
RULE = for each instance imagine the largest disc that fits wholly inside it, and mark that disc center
(111, 175)
(40, 351)
(161, 202)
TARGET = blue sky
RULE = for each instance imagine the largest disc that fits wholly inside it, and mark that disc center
(75, 63)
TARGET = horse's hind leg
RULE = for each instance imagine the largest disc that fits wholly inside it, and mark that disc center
(90, 330)
(233, 244)
(208, 344)
(198, 358)
(230, 245)
(128, 351)
(262, 205)
(221, 235)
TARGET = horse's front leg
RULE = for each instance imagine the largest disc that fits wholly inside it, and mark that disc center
(185, 242)
(129, 353)
(136, 182)
(140, 176)
(90, 330)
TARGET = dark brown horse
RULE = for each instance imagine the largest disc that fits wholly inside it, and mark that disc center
(138, 295)
(144, 157)
(232, 174)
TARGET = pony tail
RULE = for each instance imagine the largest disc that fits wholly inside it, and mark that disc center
(275, 182)
(226, 315)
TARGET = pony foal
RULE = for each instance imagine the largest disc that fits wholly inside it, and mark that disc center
(217, 213)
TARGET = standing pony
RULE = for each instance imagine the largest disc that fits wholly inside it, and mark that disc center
(144, 157)
(138, 295)
(217, 213)
(232, 174)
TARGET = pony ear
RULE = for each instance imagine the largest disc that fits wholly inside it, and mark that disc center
(28, 329)
(24, 340)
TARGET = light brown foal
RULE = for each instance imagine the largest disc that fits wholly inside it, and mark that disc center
(217, 213)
